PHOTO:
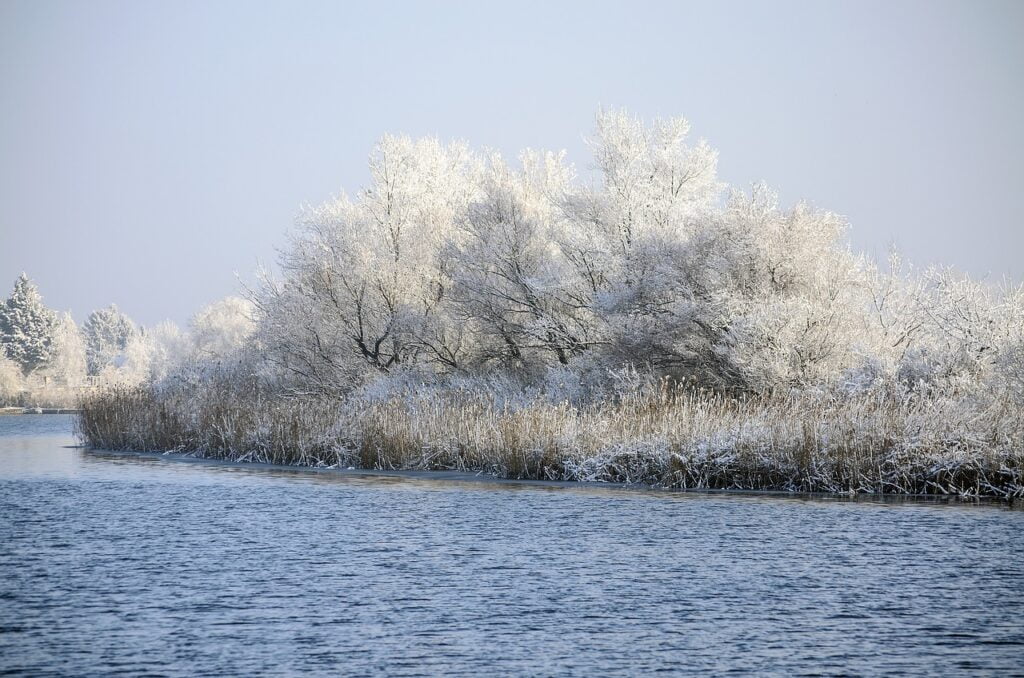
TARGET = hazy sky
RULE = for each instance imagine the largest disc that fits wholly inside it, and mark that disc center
(151, 150)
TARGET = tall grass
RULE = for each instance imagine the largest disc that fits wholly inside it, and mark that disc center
(879, 442)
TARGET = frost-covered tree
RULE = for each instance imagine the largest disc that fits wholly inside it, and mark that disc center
(459, 263)
(513, 288)
(26, 327)
(151, 354)
(655, 183)
(462, 262)
(222, 328)
(793, 290)
(67, 363)
(1007, 368)
(107, 332)
(965, 331)
(644, 242)
(364, 280)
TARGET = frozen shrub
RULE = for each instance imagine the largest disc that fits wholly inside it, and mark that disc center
(12, 382)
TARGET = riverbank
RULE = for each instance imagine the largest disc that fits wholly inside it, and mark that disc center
(8, 411)
(470, 478)
(877, 443)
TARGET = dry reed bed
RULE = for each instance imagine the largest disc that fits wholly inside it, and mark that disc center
(868, 443)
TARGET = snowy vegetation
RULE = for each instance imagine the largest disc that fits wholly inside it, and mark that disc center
(671, 436)
(46, 360)
(27, 328)
(657, 326)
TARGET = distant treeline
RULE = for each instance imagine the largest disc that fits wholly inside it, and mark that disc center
(46, 359)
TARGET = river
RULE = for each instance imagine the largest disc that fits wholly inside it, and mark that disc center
(139, 565)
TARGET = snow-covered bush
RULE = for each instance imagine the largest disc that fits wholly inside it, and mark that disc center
(12, 382)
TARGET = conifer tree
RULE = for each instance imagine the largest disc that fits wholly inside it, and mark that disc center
(26, 327)
(107, 332)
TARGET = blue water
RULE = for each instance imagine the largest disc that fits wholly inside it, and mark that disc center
(113, 564)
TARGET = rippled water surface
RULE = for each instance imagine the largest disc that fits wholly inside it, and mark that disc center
(137, 565)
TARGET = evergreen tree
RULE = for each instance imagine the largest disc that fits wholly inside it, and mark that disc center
(26, 327)
(107, 332)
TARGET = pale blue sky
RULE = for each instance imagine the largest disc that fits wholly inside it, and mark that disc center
(150, 150)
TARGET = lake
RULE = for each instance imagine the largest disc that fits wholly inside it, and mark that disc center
(119, 564)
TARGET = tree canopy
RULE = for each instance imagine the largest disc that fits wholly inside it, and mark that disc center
(27, 327)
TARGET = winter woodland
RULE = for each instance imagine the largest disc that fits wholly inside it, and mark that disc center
(456, 276)
(47, 360)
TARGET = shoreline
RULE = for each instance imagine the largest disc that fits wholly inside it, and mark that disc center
(13, 411)
(804, 443)
(484, 478)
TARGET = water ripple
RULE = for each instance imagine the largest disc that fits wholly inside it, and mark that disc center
(114, 565)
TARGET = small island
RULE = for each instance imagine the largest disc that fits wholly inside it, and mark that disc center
(654, 326)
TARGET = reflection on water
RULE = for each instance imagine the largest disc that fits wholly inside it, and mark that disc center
(124, 564)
